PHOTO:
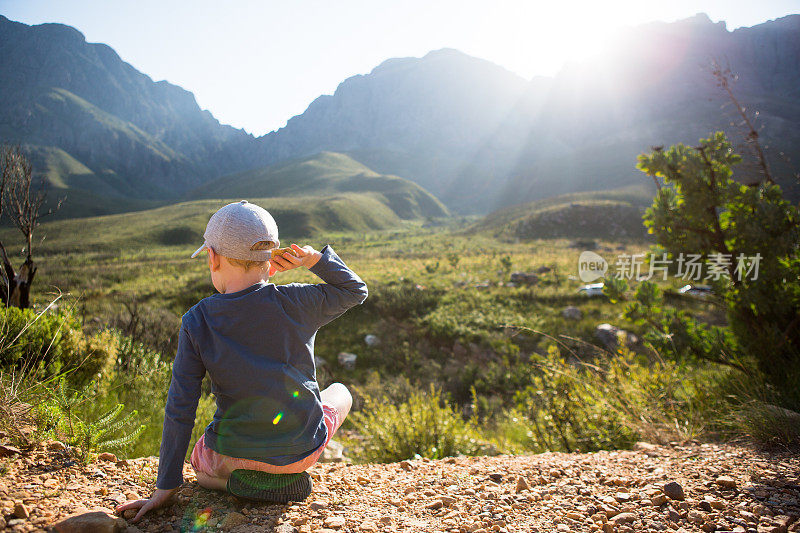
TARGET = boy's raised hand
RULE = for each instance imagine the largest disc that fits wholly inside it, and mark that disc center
(306, 257)
(159, 498)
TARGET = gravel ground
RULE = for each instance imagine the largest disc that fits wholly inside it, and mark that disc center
(698, 487)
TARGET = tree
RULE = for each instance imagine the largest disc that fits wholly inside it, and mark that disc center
(749, 237)
(22, 203)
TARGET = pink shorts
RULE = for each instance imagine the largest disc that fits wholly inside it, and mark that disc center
(214, 464)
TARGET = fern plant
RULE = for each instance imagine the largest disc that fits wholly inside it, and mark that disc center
(63, 415)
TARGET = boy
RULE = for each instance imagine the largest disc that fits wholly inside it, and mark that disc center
(256, 340)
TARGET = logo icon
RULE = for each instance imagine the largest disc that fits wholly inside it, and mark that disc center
(591, 266)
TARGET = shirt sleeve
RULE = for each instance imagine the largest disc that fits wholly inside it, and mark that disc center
(184, 393)
(342, 289)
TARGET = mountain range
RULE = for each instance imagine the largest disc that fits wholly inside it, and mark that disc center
(447, 125)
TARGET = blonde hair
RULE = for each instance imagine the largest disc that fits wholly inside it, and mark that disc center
(247, 264)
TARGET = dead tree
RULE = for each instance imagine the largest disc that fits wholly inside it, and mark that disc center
(22, 204)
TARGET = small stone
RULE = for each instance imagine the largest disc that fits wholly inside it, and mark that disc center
(496, 477)
(334, 522)
(658, 500)
(317, 505)
(435, 504)
(96, 522)
(407, 466)
(56, 446)
(674, 491)
(623, 518)
(107, 456)
(726, 482)
(129, 513)
(369, 527)
(21, 510)
(285, 528)
(695, 517)
(522, 484)
(362, 480)
(232, 520)
(572, 515)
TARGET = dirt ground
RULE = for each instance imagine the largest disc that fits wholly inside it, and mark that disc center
(697, 487)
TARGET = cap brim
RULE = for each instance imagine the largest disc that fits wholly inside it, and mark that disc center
(199, 250)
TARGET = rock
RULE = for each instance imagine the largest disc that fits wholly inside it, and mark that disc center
(572, 313)
(362, 480)
(129, 514)
(107, 456)
(285, 528)
(405, 465)
(695, 517)
(646, 447)
(623, 518)
(524, 278)
(726, 482)
(658, 500)
(369, 527)
(334, 522)
(232, 520)
(610, 336)
(435, 504)
(21, 510)
(56, 446)
(317, 505)
(347, 360)
(496, 477)
(6, 450)
(674, 491)
(522, 484)
(372, 340)
(91, 522)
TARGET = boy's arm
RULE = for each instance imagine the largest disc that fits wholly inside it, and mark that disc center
(184, 392)
(342, 289)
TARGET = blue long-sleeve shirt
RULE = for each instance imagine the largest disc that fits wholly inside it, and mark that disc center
(257, 345)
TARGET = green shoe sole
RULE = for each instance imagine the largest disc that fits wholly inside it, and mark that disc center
(264, 487)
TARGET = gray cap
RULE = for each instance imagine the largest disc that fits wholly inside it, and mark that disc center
(235, 228)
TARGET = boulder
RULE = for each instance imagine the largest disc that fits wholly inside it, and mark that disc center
(572, 313)
(91, 522)
(610, 336)
(347, 360)
(524, 278)
(372, 340)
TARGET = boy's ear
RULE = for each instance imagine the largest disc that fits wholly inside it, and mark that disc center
(213, 260)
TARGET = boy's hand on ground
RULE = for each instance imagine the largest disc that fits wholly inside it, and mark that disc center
(306, 257)
(159, 498)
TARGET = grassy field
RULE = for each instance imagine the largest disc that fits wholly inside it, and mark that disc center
(441, 298)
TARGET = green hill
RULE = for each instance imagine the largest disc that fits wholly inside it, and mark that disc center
(322, 174)
(183, 224)
(613, 214)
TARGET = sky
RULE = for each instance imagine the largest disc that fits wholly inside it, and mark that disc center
(256, 63)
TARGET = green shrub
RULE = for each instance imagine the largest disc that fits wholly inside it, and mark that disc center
(573, 406)
(64, 413)
(425, 424)
(50, 342)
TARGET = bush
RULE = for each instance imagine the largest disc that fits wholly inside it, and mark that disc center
(425, 425)
(573, 406)
(51, 342)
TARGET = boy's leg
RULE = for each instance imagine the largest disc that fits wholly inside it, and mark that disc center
(209, 482)
(338, 396)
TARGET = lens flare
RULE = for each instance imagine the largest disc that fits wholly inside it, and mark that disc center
(296, 394)
(201, 519)
(277, 418)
